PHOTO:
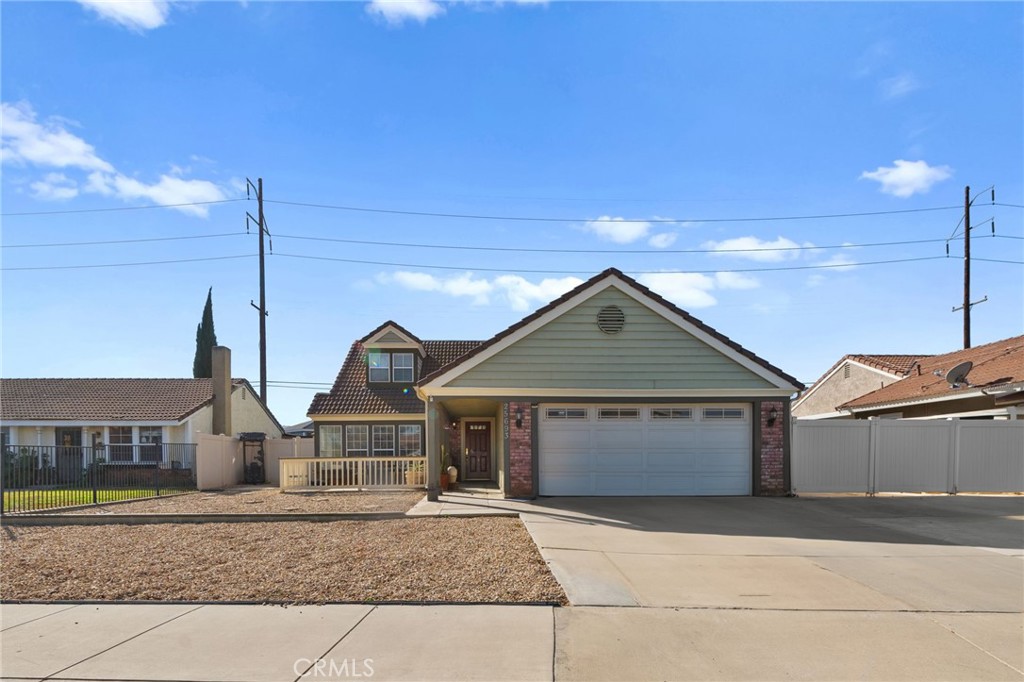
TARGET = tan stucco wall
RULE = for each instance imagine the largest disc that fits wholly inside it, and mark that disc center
(837, 390)
(247, 414)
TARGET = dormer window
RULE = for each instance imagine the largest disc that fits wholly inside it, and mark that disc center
(404, 368)
(386, 367)
(380, 367)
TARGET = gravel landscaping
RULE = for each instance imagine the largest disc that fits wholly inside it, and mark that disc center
(247, 500)
(446, 559)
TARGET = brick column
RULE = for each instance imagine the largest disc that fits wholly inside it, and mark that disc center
(772, 473)
(520, 451)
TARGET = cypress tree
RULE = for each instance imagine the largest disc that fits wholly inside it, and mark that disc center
(206, 339)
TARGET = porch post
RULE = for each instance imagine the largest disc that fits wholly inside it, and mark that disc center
(433, 450)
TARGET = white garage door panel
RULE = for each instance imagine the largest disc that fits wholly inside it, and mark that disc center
(647, 456)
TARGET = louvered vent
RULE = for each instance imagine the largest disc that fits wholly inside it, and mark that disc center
(611, 319)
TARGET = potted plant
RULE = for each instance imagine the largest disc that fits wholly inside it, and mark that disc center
(443, 477)
(414, 474)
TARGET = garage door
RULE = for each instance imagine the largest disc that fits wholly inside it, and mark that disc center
(645, 449)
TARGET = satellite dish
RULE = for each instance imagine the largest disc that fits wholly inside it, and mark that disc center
(958, 375)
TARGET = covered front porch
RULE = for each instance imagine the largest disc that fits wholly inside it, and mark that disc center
(475, 436)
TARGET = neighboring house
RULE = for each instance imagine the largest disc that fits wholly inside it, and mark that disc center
(300, 430)
(992, 389)
(134, 420)
(608, 390)
(851, 377)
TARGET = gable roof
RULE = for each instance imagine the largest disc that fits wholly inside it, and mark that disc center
(106, 399)
(390, 323)
(896, 365)
(351, 394)
(1000, 363)
(638, 288)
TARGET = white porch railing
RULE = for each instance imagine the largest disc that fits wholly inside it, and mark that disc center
(353, 472)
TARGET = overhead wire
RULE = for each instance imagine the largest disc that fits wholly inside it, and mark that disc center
(120, 208)
(547, 219)
(120, 241)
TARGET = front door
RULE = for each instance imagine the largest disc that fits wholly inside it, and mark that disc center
(69, 460)
(478, 451)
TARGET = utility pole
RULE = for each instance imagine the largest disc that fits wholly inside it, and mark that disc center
(968, 304)
(967, 262)
(261, 221)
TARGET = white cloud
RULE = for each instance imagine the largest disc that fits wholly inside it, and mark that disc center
(663, 240)
(28, 141)
(618, 230)
(906, 178)
(840, 262)
(735, 280)
(517, 291)
(397, 12)
(54, 187)
(686, 289)
(520, 293)
(167, 191)
(900, 85)
(137, 15)
(756, 249)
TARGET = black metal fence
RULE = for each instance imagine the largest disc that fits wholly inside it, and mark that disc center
(42, 477)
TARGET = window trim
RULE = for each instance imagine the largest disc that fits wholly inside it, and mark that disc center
(411, 368)
(386, 367)
(373, 440)
(672, 414)
(322, 451)
(366, 440)
(419, 440)
(568, 413)
(727, 414)
(615, 413)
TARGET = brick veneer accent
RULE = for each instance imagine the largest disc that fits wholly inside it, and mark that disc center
(455, 444)
(520, 452)
(773, 480)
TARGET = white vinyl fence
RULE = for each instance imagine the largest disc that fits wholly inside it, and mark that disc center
(352, 472)
(905, 455)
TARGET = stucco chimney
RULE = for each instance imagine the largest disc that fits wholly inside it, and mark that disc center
(222, 390)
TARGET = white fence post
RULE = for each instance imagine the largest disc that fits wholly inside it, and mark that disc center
(954, 437)
(873, 456)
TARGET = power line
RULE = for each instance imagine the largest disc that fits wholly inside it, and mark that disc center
(125, 265)
(613, 251)
(582, 272)
(998, 203)
(120, 241)
(999, 260)
(120, 208)
(470, 216)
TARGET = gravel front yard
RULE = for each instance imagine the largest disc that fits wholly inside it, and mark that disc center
(265, 501)
(430, 559)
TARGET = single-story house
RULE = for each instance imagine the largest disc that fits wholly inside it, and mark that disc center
(129, 420)
(989, 384)
(851, 377)
(608, 390)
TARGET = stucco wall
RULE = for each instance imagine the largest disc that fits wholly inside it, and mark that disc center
(838, 389)
(248, 414)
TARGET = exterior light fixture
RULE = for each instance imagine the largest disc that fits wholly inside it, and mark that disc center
(773, 414)
(519, 417)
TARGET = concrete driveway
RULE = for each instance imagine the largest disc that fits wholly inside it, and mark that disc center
(810, 588)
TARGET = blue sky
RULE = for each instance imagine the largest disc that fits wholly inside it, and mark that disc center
(641, 130)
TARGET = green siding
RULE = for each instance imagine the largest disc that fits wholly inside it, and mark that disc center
(649, 353)
(391, 337)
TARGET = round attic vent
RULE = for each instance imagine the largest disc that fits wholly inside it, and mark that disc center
(611, 319)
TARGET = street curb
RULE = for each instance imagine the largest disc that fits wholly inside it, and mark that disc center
(285, 604)
(148, 519)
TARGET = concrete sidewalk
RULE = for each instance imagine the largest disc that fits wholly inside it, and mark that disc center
(275, 644)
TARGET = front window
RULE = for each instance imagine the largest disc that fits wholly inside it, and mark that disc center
(380, 367)
(151, 439)
(120, 443)
(383, 440)
(403, 368)
(330, 441)
(5, 438)
(356, 442)
(410, 440)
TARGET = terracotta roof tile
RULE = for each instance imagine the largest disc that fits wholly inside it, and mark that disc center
(103, 399)
(352, 395)
(894, 364)
(995, 364)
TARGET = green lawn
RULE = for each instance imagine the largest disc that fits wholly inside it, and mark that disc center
(30, 500)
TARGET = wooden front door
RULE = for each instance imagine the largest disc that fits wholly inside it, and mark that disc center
(478, 451)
